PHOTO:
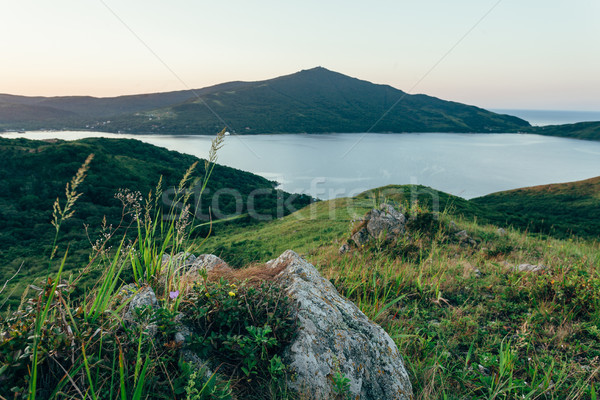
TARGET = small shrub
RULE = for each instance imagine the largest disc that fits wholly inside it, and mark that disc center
(242, 328)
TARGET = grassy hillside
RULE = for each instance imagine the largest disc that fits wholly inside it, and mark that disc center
(560, 210)
(324, 222)
(581, 130)
(34, 173)
(313, 101)
(467, 322)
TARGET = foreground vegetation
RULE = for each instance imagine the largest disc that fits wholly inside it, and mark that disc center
(61, 343)
(33, 174)
(468, 323)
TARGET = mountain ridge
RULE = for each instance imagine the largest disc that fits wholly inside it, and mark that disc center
(315, 100)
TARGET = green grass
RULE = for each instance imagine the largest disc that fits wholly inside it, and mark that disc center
(467, 324)
(560, 210)
(495, 333)
(33, 174)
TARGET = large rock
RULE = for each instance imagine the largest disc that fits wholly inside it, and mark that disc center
(335, 335)
(382, 223)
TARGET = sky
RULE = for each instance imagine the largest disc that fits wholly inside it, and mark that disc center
(529, 54)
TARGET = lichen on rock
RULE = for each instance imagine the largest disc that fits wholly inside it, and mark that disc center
(334, 335)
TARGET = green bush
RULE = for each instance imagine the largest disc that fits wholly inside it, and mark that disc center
(242, 328)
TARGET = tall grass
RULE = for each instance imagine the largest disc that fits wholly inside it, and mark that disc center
(493, 333)
(88, 327)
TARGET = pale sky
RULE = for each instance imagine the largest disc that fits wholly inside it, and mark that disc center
(530, 54)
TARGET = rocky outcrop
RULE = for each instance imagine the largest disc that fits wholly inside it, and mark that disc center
(344, 248)
(464, 239)
(189, 267)
(383, 223)
(530, 268)
(188, 261)
(335, 336)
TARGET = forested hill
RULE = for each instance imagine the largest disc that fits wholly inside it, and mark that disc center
(580, 130)
(561, 210)
(33, 174)
(312, 101)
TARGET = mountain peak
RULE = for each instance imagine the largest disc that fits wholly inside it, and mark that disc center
(315, 100)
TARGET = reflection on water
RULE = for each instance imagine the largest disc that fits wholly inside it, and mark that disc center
(337, 165)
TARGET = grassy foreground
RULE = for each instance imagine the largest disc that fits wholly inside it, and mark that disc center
(467, 323)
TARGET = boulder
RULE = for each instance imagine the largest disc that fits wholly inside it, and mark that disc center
(383, 223)
(344, 248)
(464, 238)
(530, 268)
(335, 336)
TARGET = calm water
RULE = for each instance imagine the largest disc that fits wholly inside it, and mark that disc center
(338, 165)
(552, 117)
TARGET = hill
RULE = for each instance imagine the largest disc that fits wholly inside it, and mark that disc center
(34, 173)
(312, 101)
(580, 130)
(467, 316)
(560, 210)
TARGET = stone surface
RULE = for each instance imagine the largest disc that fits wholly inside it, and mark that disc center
(207, 262)
(383, 223)
(464, 238)
(143, 297)
(334, 335)
(344, 248)
(188, 261)
(530, 268)
(453, 227)
(361, 237)
(181, 259)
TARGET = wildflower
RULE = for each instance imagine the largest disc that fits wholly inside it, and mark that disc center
(552, 282)
(232, 294)
(173, 295)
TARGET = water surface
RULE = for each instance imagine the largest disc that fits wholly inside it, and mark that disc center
(338, 165)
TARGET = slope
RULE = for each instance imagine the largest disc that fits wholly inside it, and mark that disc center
(580, 130)
(317, 101)
(313, 101)
(560, 210)
(34, 173)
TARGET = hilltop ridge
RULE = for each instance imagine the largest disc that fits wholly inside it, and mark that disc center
(315, 100)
